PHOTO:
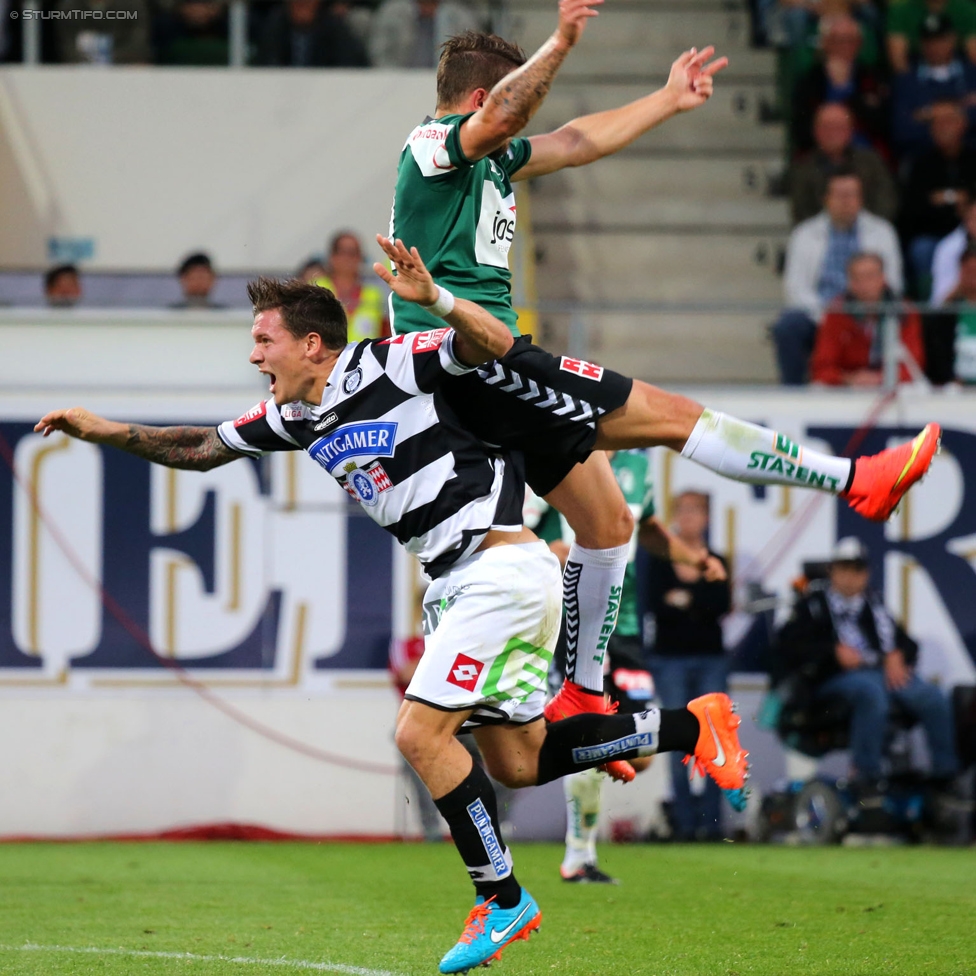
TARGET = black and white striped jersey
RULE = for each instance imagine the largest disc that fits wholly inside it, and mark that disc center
(386, 434)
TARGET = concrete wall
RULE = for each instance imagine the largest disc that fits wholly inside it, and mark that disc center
(141, 165)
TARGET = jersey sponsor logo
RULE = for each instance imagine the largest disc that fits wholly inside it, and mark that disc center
(496, 226)
(429, 341)
(352, 381)
(589, 371)
(367, 439)
(327, 421)
(465, 672)
(257, 411)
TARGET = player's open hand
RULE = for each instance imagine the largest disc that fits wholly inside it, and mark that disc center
(76, 422)
(412, 281)
(691, 79)
(573, 15)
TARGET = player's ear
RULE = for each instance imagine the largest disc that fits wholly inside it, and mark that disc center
(478, 98)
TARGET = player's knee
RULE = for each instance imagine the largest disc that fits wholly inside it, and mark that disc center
(513, 775)
(614, 527)
(413, 743)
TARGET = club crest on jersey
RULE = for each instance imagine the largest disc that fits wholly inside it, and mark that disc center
(327, 421)
(465, 672)
(257, 411)
(352, 381)
(369, 439)
(589, 371)
(361, 487)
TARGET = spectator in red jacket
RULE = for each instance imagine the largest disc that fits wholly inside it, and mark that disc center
(848, 350)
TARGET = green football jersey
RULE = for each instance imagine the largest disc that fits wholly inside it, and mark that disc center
(460, 215)
(632, 469)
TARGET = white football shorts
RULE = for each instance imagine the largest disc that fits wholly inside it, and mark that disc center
(490, 629)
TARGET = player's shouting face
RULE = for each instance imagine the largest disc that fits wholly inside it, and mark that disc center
(292, 364)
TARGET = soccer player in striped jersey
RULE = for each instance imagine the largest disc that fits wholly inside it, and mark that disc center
(372, 414)
(454, 200)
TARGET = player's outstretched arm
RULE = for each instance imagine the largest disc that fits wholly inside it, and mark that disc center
(191, 448)
(514, 100)
(591, 137)
(480, 336)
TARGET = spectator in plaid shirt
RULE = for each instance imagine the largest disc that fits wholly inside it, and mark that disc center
(817, 256)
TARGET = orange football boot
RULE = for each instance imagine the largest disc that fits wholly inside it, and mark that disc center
(880, 480)
(718, 751)
(573, 699)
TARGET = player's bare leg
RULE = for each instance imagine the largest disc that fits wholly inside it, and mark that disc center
(591, 501)
(872, 485)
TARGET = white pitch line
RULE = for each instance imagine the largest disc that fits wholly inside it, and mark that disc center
(322, 967)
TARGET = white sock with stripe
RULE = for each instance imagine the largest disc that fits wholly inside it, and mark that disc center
(592, 583)
(582, 792)
(758, 455)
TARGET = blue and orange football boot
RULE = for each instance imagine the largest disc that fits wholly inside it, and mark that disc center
(718, 751)
(488, 929)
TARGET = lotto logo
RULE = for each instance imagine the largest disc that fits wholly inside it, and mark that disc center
(465, 672)
(258, 411)
(428, 341)
(580, 367)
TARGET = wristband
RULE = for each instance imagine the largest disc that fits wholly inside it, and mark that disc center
(444, 304)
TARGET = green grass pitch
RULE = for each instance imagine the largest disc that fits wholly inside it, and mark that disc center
(722, 910)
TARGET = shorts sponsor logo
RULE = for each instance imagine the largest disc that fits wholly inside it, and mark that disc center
(352, 381)
(607, 750)
(589, 371)
(493, 846)
(367, 439)
(465, 672)
(258, 411)
(429, 341)
(327, 421)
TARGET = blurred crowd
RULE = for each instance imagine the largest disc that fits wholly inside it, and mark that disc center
(281, 33)
(879, 103)
(340, 269)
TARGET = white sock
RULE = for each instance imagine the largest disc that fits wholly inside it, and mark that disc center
(758, 455)
(592, 583)
(582, 792)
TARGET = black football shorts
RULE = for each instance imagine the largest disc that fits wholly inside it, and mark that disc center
(542, 405)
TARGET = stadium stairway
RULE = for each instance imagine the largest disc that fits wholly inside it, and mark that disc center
(685, 215)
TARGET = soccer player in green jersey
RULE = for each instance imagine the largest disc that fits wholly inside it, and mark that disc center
(454, 201)
(628, 683)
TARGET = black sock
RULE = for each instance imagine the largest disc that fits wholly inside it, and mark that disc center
(472, 814)
(679, 730)
(850, 477)
(589, 740)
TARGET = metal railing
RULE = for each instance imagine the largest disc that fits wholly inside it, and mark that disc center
(894, 353)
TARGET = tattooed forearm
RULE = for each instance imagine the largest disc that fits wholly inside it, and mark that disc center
(192, 448)
(519, 94)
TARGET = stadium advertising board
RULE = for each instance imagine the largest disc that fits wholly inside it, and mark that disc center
(263, 581)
